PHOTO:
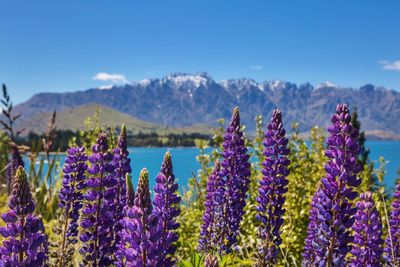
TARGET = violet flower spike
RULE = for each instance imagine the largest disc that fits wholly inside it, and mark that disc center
(140, 229)
(25, 243)
(308, 254)
(213, 222)
(367, 244)
(122, 166)
(97, 222)
(15, 162)
(236, 170)
(272, 188)
(70, 199)
(166, 209)
(120, 259)
(392, 248)
(332, 211)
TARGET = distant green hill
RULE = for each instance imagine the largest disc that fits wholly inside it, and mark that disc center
(74, 119)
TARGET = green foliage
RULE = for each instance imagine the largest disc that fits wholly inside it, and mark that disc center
(306, 169)
(248, 232)
(4, 147)
(190, 221)
(218, 133)
(195, 260)
(42, 170)
(89, 135)
(192, 206)
(205, 161)
(379, 192)
(258, 140)
(9, 117)
(364, 154)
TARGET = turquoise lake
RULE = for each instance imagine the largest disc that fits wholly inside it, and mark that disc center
(185, 164)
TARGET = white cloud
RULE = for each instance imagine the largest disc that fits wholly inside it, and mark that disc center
(388, 65)
(115, 78)
(257, 67)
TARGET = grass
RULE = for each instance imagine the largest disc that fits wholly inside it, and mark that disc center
(74, 119)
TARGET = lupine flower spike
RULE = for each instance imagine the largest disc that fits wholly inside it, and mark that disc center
(166, 209)
(332, 213)
(140, 232)
(25, 243)
(121, 163)
(367, 244)
(392, 248)
(312, 229)
(213, 214)
(273, 186)
(236, 169)
(70, 200)
(129, 202)
(15, 162)
(98, 211)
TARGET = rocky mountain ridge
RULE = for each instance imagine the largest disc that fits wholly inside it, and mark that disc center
(182, 99)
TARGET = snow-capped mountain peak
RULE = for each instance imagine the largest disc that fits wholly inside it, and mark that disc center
(326, 84)
(179, 78)
(145, 82)
(276, 84)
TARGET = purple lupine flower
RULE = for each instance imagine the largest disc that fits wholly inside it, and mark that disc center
(392, 248)
(367, 244)
(45, 244)
(70, 199)
(332, 208)
(236, 168)
(122, 166)
(140, 232)
(24, 241)
(308, 254)
(98, 211)
(120, 259)
(213, 215)
(166, 208)
(15, 162)
(273, 186)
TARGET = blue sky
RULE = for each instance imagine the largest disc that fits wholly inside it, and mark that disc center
(61, 46)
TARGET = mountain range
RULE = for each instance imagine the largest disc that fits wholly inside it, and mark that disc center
(182, 100)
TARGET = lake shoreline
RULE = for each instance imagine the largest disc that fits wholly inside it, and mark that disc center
(184, 160)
